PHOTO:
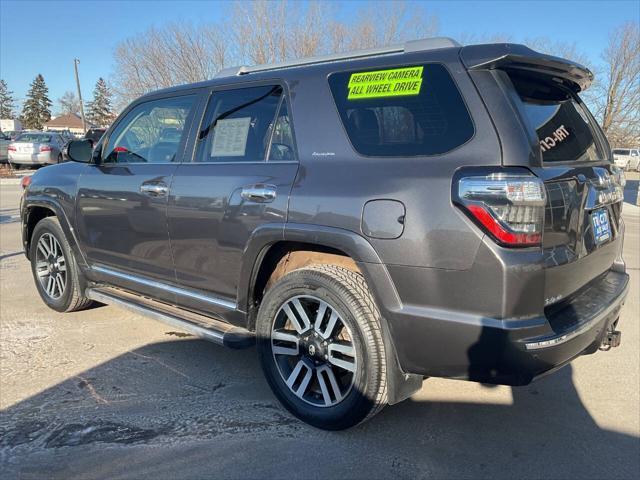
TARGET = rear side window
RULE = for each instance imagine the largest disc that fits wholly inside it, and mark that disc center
(242, 124)
(565, 130)
(413, 110)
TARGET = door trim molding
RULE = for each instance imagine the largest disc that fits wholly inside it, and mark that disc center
(167, 288)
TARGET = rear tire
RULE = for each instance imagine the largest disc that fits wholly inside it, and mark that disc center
(55, 271)
(340, 343)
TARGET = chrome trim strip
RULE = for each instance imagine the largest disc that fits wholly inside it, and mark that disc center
(167, 288)
(212, 335)
(553, 341)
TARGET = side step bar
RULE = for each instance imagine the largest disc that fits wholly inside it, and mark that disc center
(202, 326)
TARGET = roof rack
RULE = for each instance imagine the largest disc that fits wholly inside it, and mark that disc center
(408, 47)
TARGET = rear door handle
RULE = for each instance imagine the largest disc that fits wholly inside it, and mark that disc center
(259, 193)
(155, 189)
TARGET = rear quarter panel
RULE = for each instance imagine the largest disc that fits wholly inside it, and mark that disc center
(334, 182)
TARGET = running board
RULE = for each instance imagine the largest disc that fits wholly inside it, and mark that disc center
(202, 326)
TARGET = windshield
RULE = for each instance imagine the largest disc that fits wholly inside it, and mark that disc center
(34, 138)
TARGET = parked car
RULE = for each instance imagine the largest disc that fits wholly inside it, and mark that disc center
(627, 158)
(67, 136)
(5, 140)
(36, 149)
(12, 134)
(94, 134)
(368, 219)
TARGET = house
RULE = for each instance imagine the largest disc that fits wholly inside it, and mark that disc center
(10, 125)
(70, 121)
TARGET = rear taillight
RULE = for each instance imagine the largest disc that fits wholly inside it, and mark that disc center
(508, 207)
(45, 148)
(11, 148)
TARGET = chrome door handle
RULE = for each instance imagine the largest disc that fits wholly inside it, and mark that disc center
(154, 189)
(259, 193)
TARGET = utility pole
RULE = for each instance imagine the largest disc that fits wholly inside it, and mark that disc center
(75, 66)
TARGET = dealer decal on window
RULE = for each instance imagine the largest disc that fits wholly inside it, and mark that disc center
(558, 136)
(385, 83)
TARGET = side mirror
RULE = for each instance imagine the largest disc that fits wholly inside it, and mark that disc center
(80, 151)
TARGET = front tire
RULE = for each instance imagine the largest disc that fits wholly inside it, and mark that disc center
(321, 347)
(55, 271)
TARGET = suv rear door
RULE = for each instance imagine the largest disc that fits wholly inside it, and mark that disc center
(122, 198)
(239, 178)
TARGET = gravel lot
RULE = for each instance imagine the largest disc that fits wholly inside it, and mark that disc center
(108, 394)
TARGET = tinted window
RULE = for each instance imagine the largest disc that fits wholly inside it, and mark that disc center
(621, 152)
(239, 125)
(94, 134)
(402, 111)
(564, 128)
(282, 147)
(151, 132)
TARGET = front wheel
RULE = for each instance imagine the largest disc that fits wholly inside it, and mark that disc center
(321, 346)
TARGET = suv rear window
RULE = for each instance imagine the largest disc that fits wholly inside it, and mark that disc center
(411, 110)
(622, 152)
(564, 127)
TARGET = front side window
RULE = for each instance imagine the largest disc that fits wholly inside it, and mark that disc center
(565, 130)
(150, 133)
(413, 110)
(241, 124)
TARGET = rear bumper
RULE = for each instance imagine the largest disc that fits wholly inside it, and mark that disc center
(509, 351)
(30, 158)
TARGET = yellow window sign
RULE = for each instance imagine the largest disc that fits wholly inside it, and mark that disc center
(385, 83)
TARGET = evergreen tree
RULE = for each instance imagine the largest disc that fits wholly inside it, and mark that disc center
(99, 110)
(6, 101)
(37, 108)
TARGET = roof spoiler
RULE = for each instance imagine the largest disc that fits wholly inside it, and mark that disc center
(510, 56)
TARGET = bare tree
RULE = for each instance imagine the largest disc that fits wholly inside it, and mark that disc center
(309, 32)
(382, 23)
(260, 30)
(471, 38)
(69, 103)
(616, 96)
(177, 53)
(568, 50)
(256, 32)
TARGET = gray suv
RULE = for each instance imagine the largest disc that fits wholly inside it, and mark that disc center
(368, 220)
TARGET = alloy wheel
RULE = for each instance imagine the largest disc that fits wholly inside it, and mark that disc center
(51, 266)
(314, 351)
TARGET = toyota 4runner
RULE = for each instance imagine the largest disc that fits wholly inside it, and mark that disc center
(368, 220)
